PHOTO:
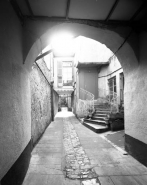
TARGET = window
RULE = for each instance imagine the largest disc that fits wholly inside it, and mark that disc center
(64, 73)
(59, 72)
(112, 87)
(112, 84)
(67, 76)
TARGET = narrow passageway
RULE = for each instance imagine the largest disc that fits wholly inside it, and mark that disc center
(69, 153)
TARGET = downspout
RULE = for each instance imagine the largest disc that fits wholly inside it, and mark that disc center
(52, 102)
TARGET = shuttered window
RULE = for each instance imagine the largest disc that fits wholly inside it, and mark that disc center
(59, 73)
(64, 73)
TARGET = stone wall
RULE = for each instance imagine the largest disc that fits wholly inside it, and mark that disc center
(55, 101)
(40, 100)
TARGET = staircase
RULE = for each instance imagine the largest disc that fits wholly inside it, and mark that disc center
(97, 111)
(98, 122)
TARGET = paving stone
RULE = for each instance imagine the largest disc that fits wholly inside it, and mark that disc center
(79, 143)
(36, 179)
(55, 180)
(105, 181)
(90, 182)
(75, 155)
(124, 180)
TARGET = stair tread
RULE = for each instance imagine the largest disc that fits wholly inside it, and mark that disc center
(98, 121)
(98, 117)
(100, 110)
(96, 126)
(102, 107)
(99, 114)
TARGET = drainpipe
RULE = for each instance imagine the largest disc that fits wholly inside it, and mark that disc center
(52, 102)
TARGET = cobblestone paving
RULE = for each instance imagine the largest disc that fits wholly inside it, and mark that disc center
(77, 163)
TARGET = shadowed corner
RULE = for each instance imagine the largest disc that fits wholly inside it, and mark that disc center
(18, 171)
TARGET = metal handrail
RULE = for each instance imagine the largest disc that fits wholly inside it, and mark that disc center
(108, 97)
(88, 94)
(85, 106)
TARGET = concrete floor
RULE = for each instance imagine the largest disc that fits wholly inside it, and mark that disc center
(111, 166)
(117, 138)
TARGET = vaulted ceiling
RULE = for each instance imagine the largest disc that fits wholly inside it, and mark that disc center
(108, 12)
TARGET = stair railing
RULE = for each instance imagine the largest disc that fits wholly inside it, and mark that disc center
(109, 98)
(85, 105)
(113, 99)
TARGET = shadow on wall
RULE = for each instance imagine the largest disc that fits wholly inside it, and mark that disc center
(41, 116)
(17, 172)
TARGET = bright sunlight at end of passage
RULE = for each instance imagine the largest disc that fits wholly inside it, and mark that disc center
(63, 43)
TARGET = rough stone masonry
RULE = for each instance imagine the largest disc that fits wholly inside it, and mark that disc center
(77, 163)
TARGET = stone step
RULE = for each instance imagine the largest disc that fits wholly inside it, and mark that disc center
(96, 128)
(99, 114)
(97, 106)
(95, 117)
(102, 111)
(96, 122)
(101, 105)
(98, 109)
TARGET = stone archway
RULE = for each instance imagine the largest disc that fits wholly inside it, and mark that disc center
(126, 55)
(18, 55)
(38, 36)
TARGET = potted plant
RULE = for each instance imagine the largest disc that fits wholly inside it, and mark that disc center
(90, 111)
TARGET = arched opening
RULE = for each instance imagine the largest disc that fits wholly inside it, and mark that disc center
(109, 79)
(126, 55)
(39, 39)
(113, 40)
(20, 45)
